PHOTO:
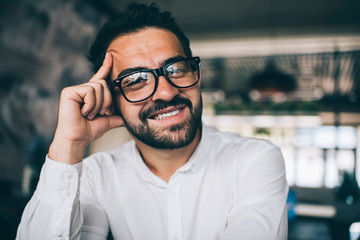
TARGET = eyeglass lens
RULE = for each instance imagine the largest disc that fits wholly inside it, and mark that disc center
(141, 85)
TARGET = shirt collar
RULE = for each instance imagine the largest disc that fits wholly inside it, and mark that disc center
(192, 165)
(199, 154)
(204, 151)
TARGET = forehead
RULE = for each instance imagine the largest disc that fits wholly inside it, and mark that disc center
(149, 47)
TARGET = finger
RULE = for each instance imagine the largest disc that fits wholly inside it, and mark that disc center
(83, 95)
(105, 69)
(98, 91)
(87, 94)
(107, 98)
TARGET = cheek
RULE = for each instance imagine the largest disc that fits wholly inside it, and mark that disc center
(122, 104)
(194, 93)
(129, 111)
(196, 96)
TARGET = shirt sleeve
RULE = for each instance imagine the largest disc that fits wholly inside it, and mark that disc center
(260, 211)
(54, 210)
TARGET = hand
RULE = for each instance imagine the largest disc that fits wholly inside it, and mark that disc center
(85, 114)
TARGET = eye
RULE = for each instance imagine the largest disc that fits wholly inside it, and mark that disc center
(176, 70)
(136, 80)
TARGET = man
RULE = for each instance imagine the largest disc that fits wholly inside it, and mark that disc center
(178, 178)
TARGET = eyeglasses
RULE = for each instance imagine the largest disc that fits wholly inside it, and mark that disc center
(140, 85)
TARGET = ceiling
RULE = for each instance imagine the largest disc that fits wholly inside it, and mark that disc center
(317, 74)
(318, 42)
(203, 18)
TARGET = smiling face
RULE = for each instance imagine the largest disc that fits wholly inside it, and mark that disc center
(171, 117)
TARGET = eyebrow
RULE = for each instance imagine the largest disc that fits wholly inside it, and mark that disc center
(135, 69)
(130, 70)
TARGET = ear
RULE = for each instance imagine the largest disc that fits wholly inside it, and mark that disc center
(199, 83)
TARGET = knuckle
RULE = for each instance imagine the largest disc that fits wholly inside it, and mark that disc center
(103, 81)
(96, 85)
(67, 91)
(107, 103)
(99, 85)
(89, 89)
(104, 84)
(92, 90)
(64, 91)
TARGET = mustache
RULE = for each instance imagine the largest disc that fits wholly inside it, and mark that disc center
(160, 105)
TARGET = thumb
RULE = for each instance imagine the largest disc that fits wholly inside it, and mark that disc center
(101, 124)
(115, 121)
(107, 122)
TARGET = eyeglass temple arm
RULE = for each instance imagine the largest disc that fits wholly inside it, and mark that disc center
(111, 84)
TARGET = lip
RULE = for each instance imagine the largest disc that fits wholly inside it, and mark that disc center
(170, 120)
(167, 110)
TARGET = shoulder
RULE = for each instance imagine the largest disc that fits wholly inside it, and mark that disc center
(236, 155)
(232, 144)
(247, 158)
(242, 161)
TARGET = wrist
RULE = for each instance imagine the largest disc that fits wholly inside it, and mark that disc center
(67, 151)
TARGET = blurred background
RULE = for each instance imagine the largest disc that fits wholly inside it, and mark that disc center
(287, 71)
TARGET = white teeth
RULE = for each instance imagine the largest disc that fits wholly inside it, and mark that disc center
(166, 115)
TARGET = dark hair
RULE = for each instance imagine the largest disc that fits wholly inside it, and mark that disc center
(134, 18)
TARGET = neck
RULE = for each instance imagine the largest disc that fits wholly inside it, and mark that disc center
(164, 162)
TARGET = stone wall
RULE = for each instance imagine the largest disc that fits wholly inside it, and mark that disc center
(43, 48)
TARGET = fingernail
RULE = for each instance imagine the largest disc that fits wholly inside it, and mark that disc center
(91, 117)
(103, 111)
(108, 112)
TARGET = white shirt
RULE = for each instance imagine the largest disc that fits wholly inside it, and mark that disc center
(231, 188)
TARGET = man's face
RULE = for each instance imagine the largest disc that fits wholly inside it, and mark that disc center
(171, 117)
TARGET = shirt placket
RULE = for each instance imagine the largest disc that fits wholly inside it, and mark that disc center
(174, 209)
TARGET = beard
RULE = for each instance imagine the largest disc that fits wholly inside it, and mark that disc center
(174, 137)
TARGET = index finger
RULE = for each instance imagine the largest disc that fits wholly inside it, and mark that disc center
(105, 69)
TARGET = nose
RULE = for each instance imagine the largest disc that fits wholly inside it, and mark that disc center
(165, 91)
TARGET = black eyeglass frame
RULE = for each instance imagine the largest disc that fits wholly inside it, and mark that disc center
(161, 71)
